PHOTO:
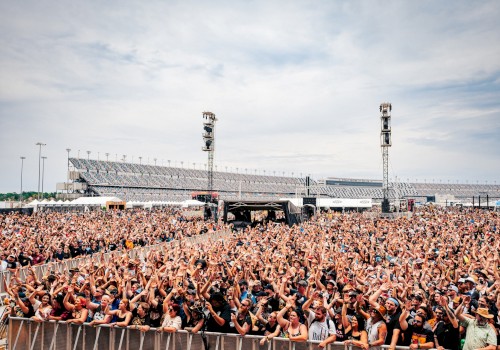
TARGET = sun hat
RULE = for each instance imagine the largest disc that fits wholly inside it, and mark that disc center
(483, 312)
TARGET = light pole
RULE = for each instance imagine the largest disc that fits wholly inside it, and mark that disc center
(140, 160)
(43, 171)
(88, 155)
(39, 144)
(107, 156)
(154, 160)
(22, 164)
(67, 179)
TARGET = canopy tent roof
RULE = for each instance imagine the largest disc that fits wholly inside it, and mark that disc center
(192, 203)
(94, 200)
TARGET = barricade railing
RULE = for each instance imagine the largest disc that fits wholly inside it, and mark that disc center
(25, 334)
(41, 270)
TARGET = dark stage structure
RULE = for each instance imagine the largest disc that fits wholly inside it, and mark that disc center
(251, 213)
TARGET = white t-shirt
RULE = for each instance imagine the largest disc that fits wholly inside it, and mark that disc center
(172, 322)
(319, 330)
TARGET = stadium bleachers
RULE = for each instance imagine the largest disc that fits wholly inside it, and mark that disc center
(134, 182)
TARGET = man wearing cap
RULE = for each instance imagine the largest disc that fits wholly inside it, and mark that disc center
(219, 317)
(23, 306)
(256, 288)
(243, 288)
(273, 298)
(479, 334)
(463, 287)
(451, 293)
(471, 284)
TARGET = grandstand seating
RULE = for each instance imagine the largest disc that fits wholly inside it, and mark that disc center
(134, 182)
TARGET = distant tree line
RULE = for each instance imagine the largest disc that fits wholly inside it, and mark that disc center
(13, 196)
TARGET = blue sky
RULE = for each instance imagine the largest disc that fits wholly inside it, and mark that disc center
(296, 86)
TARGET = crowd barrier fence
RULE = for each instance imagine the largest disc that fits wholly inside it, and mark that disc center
(25, 334)
(41, 270)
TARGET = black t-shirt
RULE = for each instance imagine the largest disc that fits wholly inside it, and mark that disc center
(274, 303)
(448, 336)
(59, 256)
(24, 260)
(421, 335)
(155, 314)
(392, 323)
(242, 319)
(224, 312)
(20, 313)
(138, 320)
(271, 329)
(11, 264)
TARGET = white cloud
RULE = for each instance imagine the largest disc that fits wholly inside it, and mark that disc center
(296, 85)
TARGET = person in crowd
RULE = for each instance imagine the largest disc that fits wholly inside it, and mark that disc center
(355, 332)
(172, 322)
(420, 337)
(479, 333)
(319, 327)
(242, 320)
(195, 318)
(99, 315)
(292, 328)
(219, 313)
(272, 328)
(446, 330)
(376, 328)
(122, 314)
(76, 305)
(42, 308)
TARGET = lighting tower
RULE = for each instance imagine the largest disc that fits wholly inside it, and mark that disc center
(209, 145)
(40, 144)
(385, 143)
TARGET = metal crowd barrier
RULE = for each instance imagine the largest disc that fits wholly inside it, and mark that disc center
(25, 334)
(41, 270)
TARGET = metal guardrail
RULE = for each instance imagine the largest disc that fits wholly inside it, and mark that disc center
(25, 334)
(41, 270)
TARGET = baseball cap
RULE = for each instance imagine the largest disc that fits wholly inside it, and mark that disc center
(302, 283)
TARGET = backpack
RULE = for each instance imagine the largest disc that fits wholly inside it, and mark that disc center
(327, 323)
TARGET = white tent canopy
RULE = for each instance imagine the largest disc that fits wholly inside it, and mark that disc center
(94, 200)
(33, 203)
(192, 203)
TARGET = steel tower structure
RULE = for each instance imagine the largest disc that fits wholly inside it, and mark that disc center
(385, 143)
(209, 145)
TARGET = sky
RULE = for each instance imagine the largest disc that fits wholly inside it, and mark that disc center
(295, 85)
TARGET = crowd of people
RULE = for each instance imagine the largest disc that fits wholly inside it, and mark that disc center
(429, 281)
(55, 236)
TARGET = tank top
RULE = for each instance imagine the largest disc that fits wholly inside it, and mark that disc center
(288, 334)
(372, 330)
(121, 319)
